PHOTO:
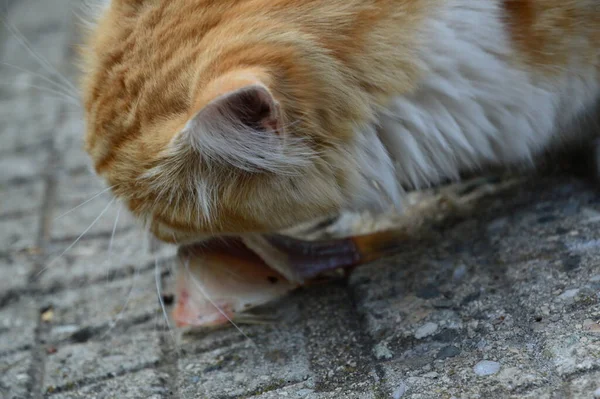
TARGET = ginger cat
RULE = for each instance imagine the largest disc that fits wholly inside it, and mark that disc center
(226, 117)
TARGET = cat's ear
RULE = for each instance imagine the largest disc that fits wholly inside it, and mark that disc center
(251, 108)
(243, 126)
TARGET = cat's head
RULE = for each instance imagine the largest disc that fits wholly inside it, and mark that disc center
(204, 123)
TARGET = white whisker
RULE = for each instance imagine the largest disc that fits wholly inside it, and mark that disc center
(86, 202)
(113, 322)
(57, 95)
(162, 302)
(110, 243)
(78, 238)
(43, 77)
(41, 60)
(112, 235)
(205, 294)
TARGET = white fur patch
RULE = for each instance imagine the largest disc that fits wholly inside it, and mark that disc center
(375, 186)
(474, 107)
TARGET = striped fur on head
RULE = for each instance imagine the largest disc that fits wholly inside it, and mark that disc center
(232, 116)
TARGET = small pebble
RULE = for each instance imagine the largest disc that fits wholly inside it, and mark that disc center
(426, 330)
(400, 391)
(497, 224)
(592, 327)
(448, 351)
(568, 294)
(381, 351)
(459, 272)
(486, 367)
(304, 392)
(48, 315)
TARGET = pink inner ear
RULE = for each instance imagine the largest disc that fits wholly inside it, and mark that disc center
(252, 106)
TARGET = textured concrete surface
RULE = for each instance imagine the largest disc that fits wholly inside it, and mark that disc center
(501, 302)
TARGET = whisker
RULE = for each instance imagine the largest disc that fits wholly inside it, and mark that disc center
(162, 302)
(78, 238)
(113, 322)
(41, 60)
(39, 75)
(58, 95)
(62, 95)
(86, 202)
(112, 235)
(110, 244)
(205, 294)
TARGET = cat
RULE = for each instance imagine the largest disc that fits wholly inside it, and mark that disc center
(231, 117)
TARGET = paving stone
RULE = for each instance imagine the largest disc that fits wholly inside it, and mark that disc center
(521, 310)
(457, 379)
(21, 198)
(96, 260)
(73, 365)
(18, 321)
(15, 167)
(98, 306)
(582, 387)
(148, 384)
(15, 270)
(306, 391)
(338, 353)
(74, 190)
(71, 142)
(27, 115)
(243, 369)
(29, 104)
(95, 217)
(45, 25)
(573, 352)
(19, 233)
(14, 379)
(80, 200)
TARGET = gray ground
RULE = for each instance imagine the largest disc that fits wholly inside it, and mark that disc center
(502, 303)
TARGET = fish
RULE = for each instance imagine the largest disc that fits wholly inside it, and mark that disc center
(220, 280)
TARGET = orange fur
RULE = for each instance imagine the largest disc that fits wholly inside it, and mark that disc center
(152, 65)
(549, 34)
(149, 64)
